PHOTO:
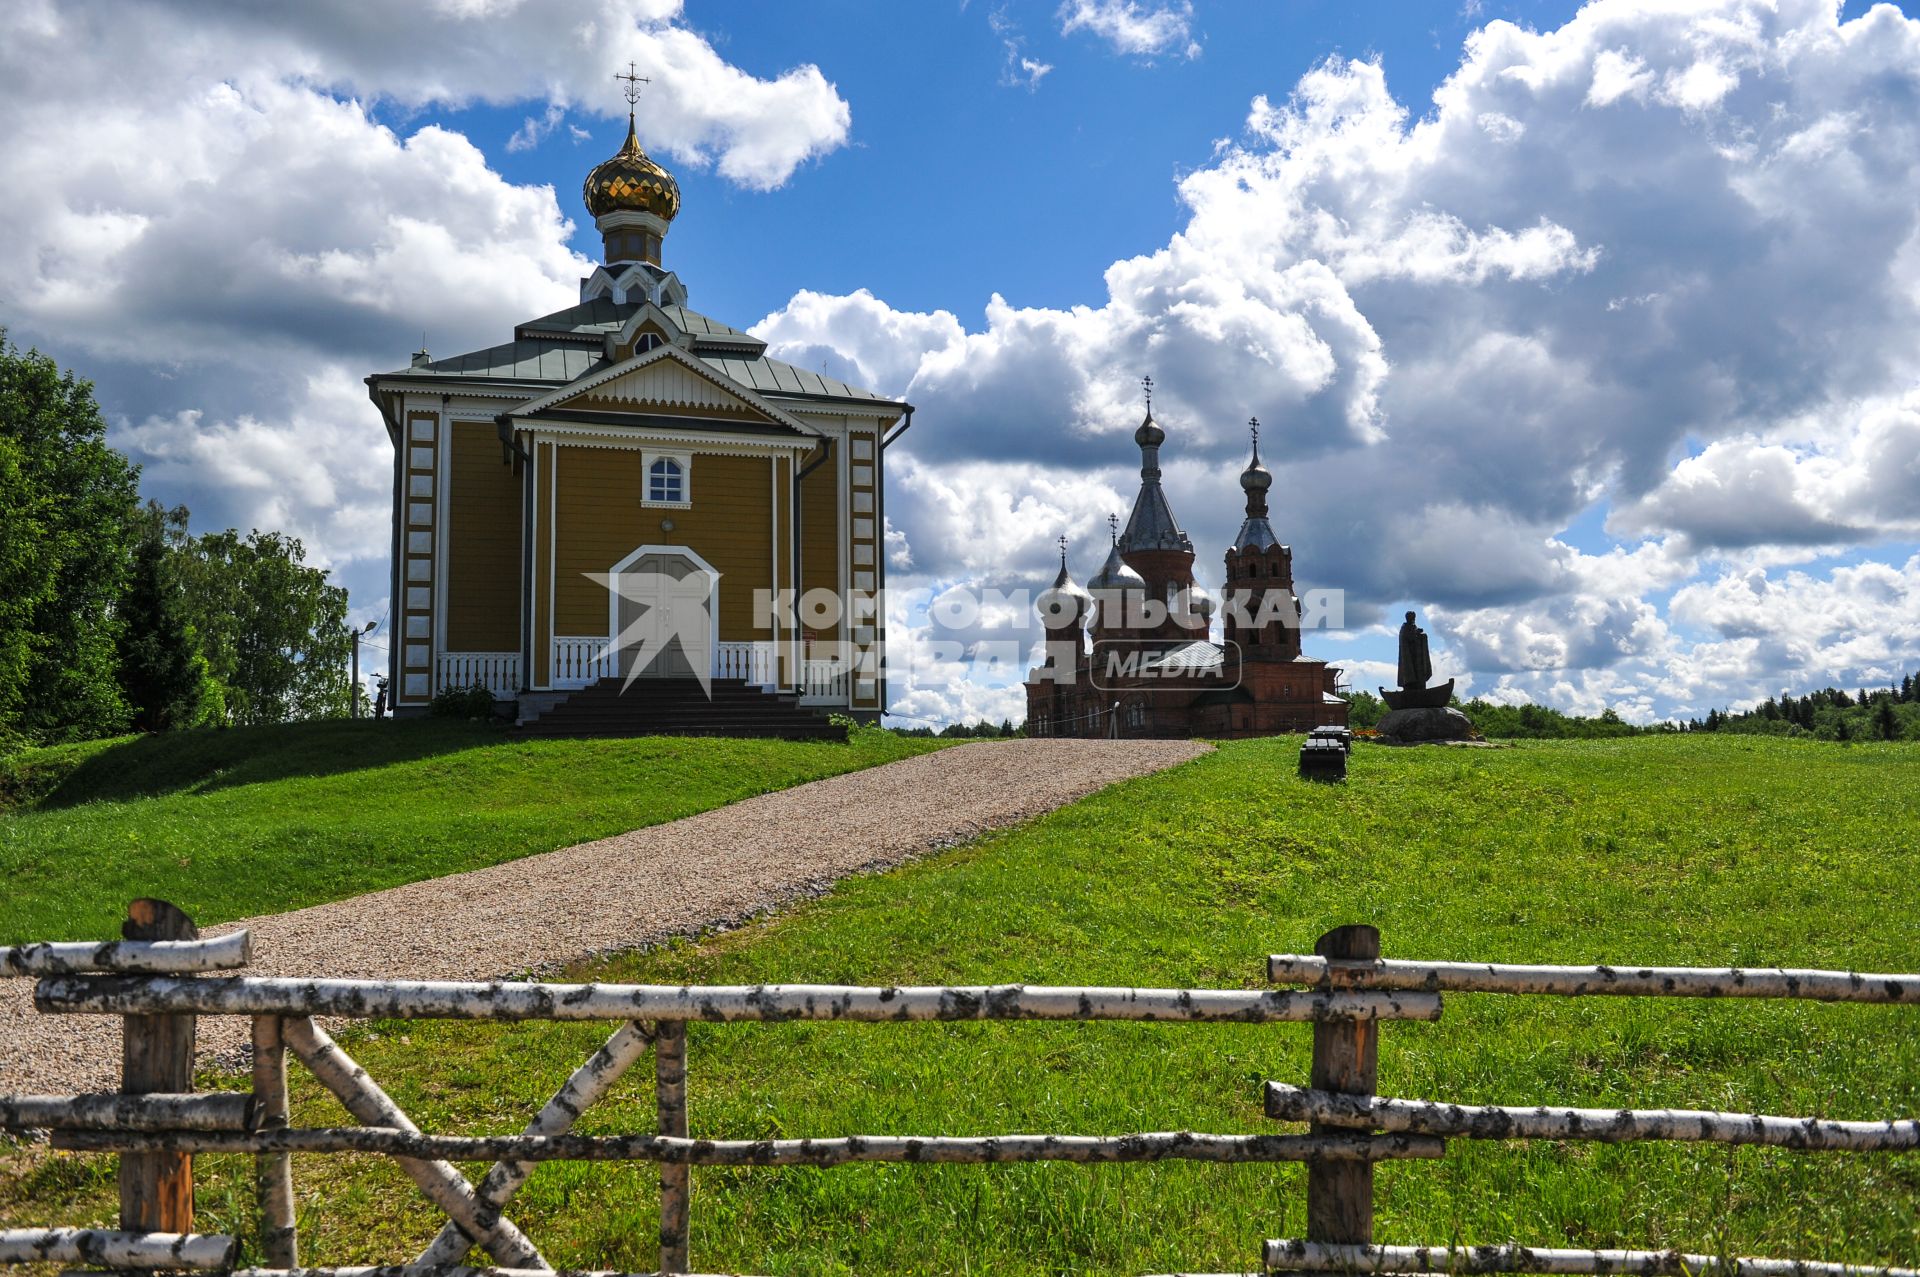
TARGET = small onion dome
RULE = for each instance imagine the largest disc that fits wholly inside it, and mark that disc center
(1114, 574)
(1149, 435)
(1063, 603)
(631, 182)
(1256, 477)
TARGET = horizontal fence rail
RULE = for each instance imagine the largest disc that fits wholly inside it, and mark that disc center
(1611, 1126)
(129, 957)
(1635, 982)
(160, 981)
(107, 1248)
(452, 1000)
(117, 1111)
(1607, 1126)
(1156, 1146)
(1305, 1256)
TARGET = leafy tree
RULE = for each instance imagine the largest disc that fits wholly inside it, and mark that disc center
(65, 532)
(1364, 709)
(272, 628)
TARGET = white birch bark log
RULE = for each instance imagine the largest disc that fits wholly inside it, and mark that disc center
(444, 1186)
(108, 1248)
(1151, 1146)
(273, 1172)
(115, 1110)
(129, 957)
(588, 1084)
(1305, 1256)
(1607, 1126)
(433, 999)
(1669, 982)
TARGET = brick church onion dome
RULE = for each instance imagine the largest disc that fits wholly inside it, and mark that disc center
(1063, 603)
(1149, 435)
(1115, 575)
(1256, 477)
(631, 182)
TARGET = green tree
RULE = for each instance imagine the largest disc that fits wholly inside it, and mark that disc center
(65, 534)
(163, 674)
(272, 628)
(1885, 722)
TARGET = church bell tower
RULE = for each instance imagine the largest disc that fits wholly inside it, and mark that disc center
(1263, 612)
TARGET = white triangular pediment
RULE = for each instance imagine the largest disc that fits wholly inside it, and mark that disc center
(665, 379)
(667, 383)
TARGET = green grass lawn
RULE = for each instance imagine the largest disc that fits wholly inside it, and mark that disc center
(1651, 850)
(231, 823)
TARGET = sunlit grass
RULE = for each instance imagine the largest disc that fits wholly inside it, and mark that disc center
(232, 823)
(1652, 850)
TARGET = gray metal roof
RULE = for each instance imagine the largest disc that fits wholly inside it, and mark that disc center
(698, 325)
(601, 316)
(1255, 534)
(1197, 657)
(771, 377)
(556, 361)
(596, 317)
(540, 361)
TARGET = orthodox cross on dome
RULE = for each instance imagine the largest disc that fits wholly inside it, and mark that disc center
(1146, 384)
(634, 81)
(1063, 552)
(1113, 528)
(1253, 424)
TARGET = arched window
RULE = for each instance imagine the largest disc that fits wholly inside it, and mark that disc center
(666, 481)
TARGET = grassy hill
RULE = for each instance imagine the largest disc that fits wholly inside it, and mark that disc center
(1698, 849)
(236, 822)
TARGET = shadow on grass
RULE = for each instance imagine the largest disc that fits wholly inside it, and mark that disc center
(210, 759)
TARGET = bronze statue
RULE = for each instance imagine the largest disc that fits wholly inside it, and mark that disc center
(1416, 667)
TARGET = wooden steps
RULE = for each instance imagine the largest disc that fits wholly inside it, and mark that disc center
(679, 707)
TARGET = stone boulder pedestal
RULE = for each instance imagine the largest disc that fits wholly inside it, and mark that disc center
(1422, 726)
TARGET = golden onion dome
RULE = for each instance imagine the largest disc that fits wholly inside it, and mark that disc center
(632, 182)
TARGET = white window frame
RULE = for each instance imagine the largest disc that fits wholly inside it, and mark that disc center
(682, 459)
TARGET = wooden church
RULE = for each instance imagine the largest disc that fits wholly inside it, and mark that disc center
(628, 432)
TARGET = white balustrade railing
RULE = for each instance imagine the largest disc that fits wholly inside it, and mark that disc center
(753, 662)
(823, 682)
(580, 661)
(498, 671)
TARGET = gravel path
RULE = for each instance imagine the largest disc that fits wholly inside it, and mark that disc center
(624, 892)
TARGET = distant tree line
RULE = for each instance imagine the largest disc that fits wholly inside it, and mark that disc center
(981, 730)
(1892, 713)
(113, 616)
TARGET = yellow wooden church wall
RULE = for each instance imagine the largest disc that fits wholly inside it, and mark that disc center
(601, 521)
(820, 537)
(483, 543)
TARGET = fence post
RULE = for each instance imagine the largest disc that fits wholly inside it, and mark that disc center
(676, 1178)
(156, 1189)
(1345, 1059)
(273, 1172)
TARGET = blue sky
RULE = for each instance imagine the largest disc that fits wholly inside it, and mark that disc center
(955, 182)
(1604, 360)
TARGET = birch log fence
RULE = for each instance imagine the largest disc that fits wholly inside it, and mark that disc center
(161, 977)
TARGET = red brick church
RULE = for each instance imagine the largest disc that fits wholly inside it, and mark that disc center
(1133, 654)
